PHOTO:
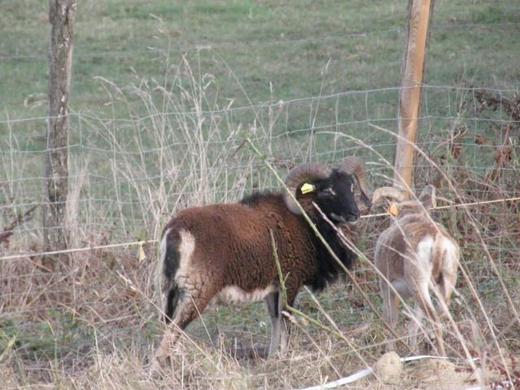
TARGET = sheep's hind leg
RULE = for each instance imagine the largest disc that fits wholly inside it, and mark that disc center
(414, 325)
(188, 309)
(390, 310)
(424, 308)
(444, 291)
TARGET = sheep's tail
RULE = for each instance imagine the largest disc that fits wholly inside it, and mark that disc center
(167, 267)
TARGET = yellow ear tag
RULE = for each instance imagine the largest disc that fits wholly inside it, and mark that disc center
(141, 255)
(393, 210)
(307, 188)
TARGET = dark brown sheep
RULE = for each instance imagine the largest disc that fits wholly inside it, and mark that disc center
(224, 252)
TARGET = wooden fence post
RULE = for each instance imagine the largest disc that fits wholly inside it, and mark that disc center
(61, 18)
(410, 95)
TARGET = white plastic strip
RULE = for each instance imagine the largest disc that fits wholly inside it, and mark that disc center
(367, 371)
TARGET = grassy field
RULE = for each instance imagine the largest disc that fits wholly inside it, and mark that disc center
(164, 94)
(257, 51)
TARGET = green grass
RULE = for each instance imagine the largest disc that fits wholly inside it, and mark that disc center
(266, 43)
(54, 338)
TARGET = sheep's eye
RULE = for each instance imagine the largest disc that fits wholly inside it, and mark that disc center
(328, 191)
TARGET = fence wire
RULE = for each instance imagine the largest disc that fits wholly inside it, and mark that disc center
(124, 170)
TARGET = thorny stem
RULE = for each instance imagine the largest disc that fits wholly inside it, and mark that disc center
(281, 278)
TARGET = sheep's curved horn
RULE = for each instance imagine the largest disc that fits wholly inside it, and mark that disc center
(388, 192)
(300, 174)
(354, 166)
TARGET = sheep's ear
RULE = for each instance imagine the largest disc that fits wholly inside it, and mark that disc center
(427, 197)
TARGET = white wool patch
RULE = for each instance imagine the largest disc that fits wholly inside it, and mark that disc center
(162, 247)
(450, 261)
(425, 266)
(159, 274)
(424, 255)
(186, 249)
(234, 294)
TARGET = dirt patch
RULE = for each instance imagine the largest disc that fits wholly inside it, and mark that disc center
(436, 374)
(389, 368)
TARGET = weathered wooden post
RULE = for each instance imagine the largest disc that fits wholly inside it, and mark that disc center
(61, 18)
(411, 86)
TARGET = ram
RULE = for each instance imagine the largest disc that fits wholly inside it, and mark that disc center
(224, 252)
(414, 256)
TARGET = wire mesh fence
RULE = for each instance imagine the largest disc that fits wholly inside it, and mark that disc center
(124, 170)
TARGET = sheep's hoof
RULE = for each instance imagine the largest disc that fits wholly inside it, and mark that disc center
(153, 370)
(156, 369)
(158, 364)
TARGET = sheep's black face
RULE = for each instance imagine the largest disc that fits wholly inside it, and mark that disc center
(335, 197)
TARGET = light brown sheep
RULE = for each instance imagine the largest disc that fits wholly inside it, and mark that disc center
(415, 255)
